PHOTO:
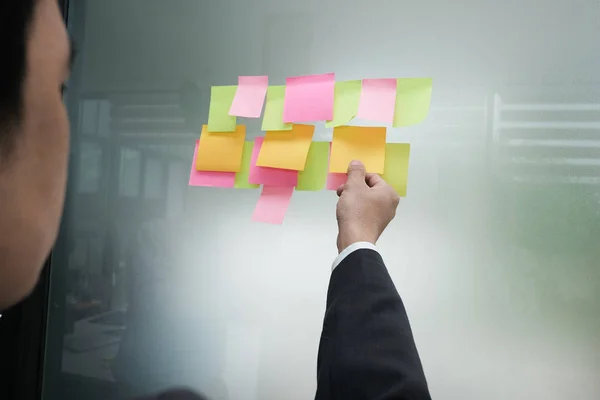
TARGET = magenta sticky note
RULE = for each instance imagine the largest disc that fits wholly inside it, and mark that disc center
(269, 176)
(273, 204)
(309, 98)
(249, 96)
(210, 178)
(377, 100)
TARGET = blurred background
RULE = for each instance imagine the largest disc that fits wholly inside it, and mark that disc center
(494, 251)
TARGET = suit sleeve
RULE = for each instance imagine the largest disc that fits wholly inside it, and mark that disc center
(367, 350)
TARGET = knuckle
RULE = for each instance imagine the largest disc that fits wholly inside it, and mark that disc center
(393, 195)
(355, 169)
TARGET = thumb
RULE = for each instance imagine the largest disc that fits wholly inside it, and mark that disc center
(356, 173)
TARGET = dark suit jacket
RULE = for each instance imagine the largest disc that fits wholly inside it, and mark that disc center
(367, 350)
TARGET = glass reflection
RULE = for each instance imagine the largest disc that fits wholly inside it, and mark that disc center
(494, 250)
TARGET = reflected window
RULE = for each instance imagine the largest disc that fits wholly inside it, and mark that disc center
(94, 117)
(153, 178)
(104, 109)
(90, 168)
(88, 117)
(130, 173)
(176, 187)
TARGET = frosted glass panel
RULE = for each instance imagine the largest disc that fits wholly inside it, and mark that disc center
(153, 179)
(90, 172)
(494, 250)
(130, 173)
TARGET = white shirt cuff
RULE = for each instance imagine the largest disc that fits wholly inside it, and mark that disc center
(351, 249)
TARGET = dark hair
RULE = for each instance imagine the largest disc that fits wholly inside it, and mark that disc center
(15, 21)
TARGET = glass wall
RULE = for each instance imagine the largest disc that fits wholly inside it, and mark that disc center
(494, 250)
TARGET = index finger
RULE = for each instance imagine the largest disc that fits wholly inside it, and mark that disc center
(374, 180)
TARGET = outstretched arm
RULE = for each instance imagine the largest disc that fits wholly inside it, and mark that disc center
(367, 350)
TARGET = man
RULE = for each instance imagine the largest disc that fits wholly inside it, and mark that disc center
(34, 140)
(367, 350)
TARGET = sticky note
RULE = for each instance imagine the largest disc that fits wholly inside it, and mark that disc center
(314, 175)
(273, 118)
(396, 166)
(210, 178)
(366, 144)
(412, 101)
(286, 149)
(241, 178)
(221, 151)
(219, 119)
(269, 176)
(345, 104)
(249, 96)
(273, 204)
(309, 98)
(335, 180)
(377, 100)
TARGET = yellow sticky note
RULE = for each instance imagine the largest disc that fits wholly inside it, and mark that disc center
(413, 97)
(286, 149)
(221, 151)
(396, 166)
(363, 143)
(219, 119)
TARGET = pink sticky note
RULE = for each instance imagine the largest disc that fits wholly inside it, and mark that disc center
(335, 180)
(269, 176)
(377, 100)
(273, 204)
(210, 178)
(309, 98)
(249, 96)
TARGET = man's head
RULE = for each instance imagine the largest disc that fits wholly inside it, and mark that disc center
(33, 139)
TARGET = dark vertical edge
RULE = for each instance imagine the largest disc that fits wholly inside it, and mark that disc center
(22, 330)
(51, 366)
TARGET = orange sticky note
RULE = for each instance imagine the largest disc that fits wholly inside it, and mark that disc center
(221, 151)
(363, 143)
(286, 149)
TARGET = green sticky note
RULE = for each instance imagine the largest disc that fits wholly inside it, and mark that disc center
(413, 96)
(241, 178)
(273, 118)
(396, 166)
(345, 105)
(219, 119)
(314, 175)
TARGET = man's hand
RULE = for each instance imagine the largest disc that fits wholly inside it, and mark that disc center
(367, 205)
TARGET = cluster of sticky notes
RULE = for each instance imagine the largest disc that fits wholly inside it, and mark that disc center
(398, 102)
(286, 159)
